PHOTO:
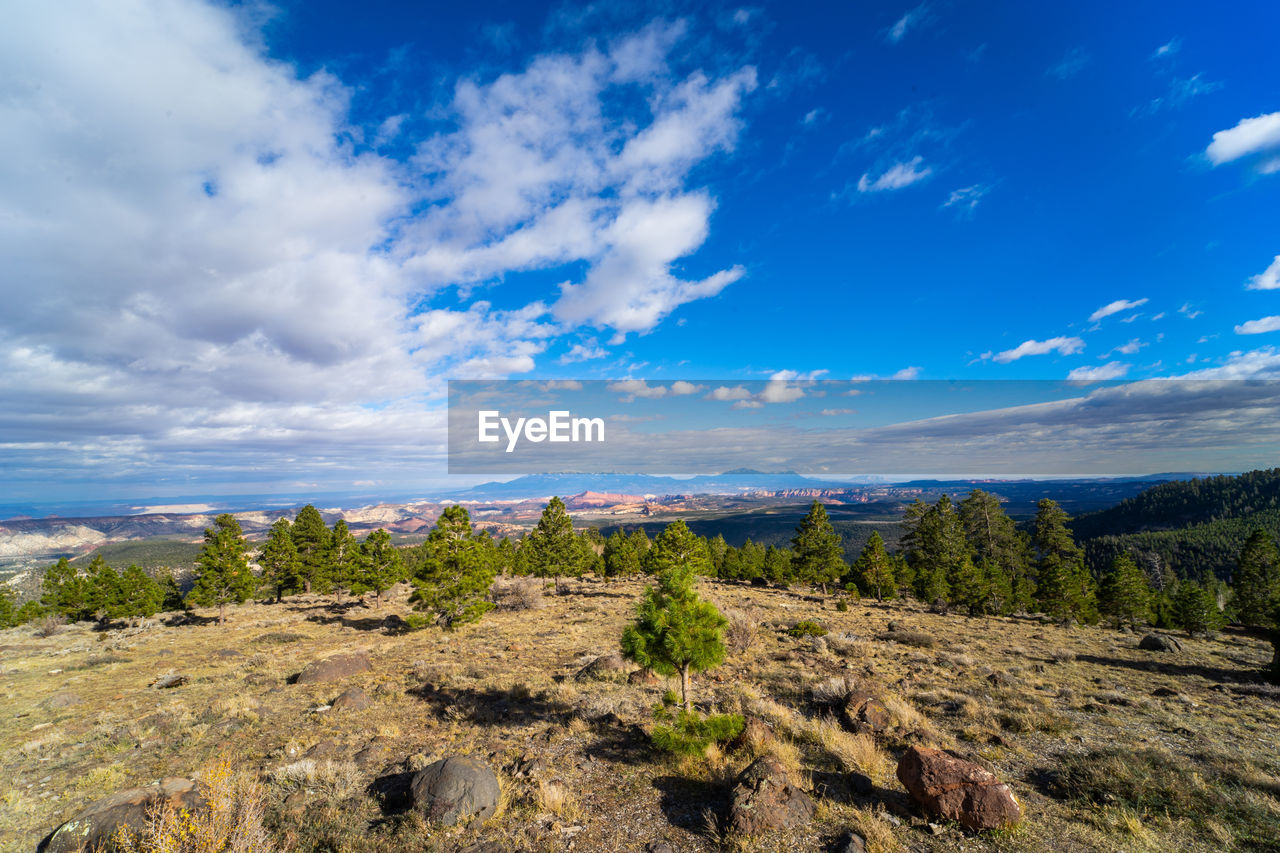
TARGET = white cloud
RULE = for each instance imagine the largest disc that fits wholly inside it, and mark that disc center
(1070, 65)
(1262, 363)
(909, 21)
(1189, 311)
(748, 404)
(1101, 373)
(1060, 345)
(725, 393)
(1168, 49)
(585, 351)
(1249, 137)
(907, 373)
(966, 199)
(831, 413)
(1259, 327)
(633, 388)
(896, 177)
(681, 388)
(1268, 279)
(1130, 348)
(1116, 307)
(273, 291)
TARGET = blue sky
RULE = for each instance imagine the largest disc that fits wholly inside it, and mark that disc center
(246, 245)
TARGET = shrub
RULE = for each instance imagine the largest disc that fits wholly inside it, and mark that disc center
(807, 628)
(919, 639)
(47, 626)
(517, 593)
(741, 632)
(689, 733)
(842, 605)
(231, 824)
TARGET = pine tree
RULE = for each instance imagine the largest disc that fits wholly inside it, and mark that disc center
(172, 598)
(64, 591)
(504, 557)
(1257, 580)
(776, 566)
(311, 538)
(281, 570)
(590, 553)
(873, 570)
(675, 631)
(456, 575)
(677, 546)
(554, 551)
(140, 595)
(995, 540)
(380, 565)
(222, 572)
(343, 558)
(1125, 595)
(752, 556)
(817, 557)
(620, 556)
(968, 586)
(717, 548)
(8, 613)
(937, 546)
(103, 590)
(1195, 609)
(1065, 586)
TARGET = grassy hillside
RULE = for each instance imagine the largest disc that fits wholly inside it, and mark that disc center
(153, 555)
(1106, 746)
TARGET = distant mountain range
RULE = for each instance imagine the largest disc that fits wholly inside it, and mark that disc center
(738, 481)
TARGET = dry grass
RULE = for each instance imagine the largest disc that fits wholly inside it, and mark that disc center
(517, 593)
(232, 822)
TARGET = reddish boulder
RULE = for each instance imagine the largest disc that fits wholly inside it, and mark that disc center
(352, 699)
(862, 712)
(93, 828)
(958, 790)
(764, 799)
(335, 667)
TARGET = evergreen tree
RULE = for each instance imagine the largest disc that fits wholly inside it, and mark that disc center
(776, 566)
(8, 613)
(968, 586)
(311, 539)
(504, 556)
(1257, 579)
(380, 564)
(717, 548)
(456, 575)
(817, 557)
(995, 540)
(139, 594)
(1065, 586)
(640, 540)
(343, 558)
(937, 546)
(751, 555)
(103, 590)
(64, 591)
(171, 593)
(553, 549)
(675, 631)
(1195, 609)
(677, 546)
(222, 572)
(620, 556)
(1125, 595)
(873, 570)
(281, 570)
(591, 553)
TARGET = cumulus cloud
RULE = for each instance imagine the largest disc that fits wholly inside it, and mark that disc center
(1260, 326)
(1268, 279)
(1061, 345)
(633, 388)
(896, 177)
(1116, 307)
(1251, 137)
(1101, 373)
(198, 252)
(726, 393)
(585, 351)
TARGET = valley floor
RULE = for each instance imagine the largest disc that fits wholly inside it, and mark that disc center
(79, 719)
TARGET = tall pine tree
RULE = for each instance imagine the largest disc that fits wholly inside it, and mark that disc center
(1125, 595)
(281, 571)
(311, 538)
(553, 549)
(1256, 580)
(873, 570)
(454, 578)
(222, 572)
(817, 557)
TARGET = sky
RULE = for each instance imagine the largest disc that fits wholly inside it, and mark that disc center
(246, 245)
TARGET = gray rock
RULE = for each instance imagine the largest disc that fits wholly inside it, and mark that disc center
(61, 699)
(764, 799)
(1159, 643)
(93, 828)
(173, 679)
(454, 789)
(334, 668)
(850, 842)
(352, 699)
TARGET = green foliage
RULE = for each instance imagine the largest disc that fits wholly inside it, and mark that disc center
(970, 586)
(281, 569)
(311, 539)
(1003, 551)
(1257, 580)
(690, 733)
(8, 613)
(677, 547)
(676, 631)
(873, 571)
(621, 558)
(552, 549)
(776, 566)
(935, 547)
(453, 581)
(138, 594)
(817, 557)
(344, 559)
(1125, 594)
(379, 565)
(222, 572)
(1065, 587)
(807, 628)
(64, 591)
(1195, 609)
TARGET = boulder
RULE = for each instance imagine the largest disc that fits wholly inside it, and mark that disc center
(172, 679)
(61, 699)
(1159, 643)
(454, 789)
(958, 790)
(764, 799)
(352, 699)
(862, 712)
(605, 667)
(93, 828)
(334, 668)
(644, 677)
(850, 842)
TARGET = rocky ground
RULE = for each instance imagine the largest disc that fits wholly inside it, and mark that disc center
(1104, 745)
